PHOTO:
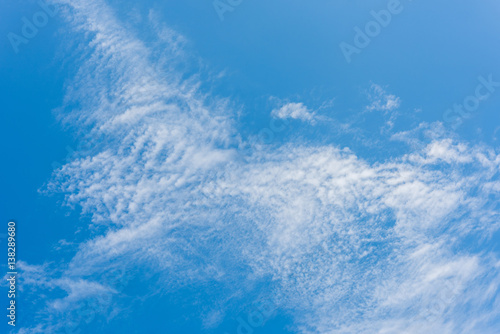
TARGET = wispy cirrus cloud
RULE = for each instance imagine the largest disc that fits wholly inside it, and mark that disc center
(380, 100)
(350, 245)
(384, 102)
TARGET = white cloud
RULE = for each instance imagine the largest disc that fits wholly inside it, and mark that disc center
(294, 111)
(380, 100)
(354, 246)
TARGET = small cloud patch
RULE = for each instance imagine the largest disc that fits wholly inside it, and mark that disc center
(380, 100)
(294, 111)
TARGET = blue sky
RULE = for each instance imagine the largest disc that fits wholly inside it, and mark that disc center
(172, 168)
